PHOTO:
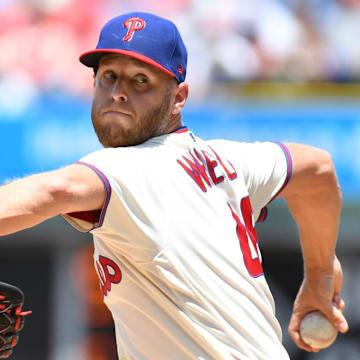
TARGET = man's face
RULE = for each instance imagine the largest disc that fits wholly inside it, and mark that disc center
(132, 101)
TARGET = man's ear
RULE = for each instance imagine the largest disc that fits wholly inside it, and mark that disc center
(181, 95)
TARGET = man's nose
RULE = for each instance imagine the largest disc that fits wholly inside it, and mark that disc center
(119, 93)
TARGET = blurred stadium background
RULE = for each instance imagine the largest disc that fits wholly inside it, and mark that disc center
(278, 70)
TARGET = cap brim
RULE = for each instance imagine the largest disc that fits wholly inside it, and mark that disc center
(93, 57)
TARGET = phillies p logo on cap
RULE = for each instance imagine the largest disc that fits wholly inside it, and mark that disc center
(133, 24)
(145, 37)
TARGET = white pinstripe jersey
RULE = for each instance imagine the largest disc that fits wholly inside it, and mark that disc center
(176, 251)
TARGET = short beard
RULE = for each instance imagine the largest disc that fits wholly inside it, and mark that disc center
(151, 125)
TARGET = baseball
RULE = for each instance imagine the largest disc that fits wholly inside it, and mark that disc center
(317, 331)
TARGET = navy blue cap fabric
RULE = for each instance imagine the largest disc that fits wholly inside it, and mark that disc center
(143, 36)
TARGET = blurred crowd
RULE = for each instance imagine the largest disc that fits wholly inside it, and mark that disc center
(227, 41)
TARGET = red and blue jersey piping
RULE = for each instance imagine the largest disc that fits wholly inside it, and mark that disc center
(97, 216)
(180, 130)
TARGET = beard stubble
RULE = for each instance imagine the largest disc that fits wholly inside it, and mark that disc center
(152, 124)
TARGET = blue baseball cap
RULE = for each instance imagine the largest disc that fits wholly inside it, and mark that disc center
(145, 37)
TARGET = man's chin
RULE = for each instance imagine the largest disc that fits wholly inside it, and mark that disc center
(112, 144)
(115, 143)
(115, 137)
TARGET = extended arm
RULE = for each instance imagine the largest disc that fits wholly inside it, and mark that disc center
(314, 198)
(32, 200)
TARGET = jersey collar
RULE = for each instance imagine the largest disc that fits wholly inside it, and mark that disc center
(180, 130)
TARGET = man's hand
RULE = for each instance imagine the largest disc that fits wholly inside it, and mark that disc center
(319, 291)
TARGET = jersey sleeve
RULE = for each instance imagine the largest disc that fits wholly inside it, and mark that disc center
(87, 221)
(265, 167)
(123, 224)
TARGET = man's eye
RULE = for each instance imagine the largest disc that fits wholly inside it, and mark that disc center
(141, 79)
(109, 76)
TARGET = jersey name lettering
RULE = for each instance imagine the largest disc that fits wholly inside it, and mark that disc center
(201, 168)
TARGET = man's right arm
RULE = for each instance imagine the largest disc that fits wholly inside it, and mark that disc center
(314, 199)
(29, 201)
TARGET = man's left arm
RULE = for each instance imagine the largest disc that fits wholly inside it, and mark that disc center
(314, 198)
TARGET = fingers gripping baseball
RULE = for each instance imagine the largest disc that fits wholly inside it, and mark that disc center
(328, 324)
(11, 318)
(321, 293)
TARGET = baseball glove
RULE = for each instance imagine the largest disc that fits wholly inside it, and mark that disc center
(11, 318)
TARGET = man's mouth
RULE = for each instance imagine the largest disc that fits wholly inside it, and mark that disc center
(115, 112)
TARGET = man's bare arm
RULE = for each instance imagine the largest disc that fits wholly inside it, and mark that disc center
(29, 201)
(314, 199)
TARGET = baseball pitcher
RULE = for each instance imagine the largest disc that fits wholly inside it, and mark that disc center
(173, 216)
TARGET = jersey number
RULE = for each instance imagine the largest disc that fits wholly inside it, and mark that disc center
(248, 237)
